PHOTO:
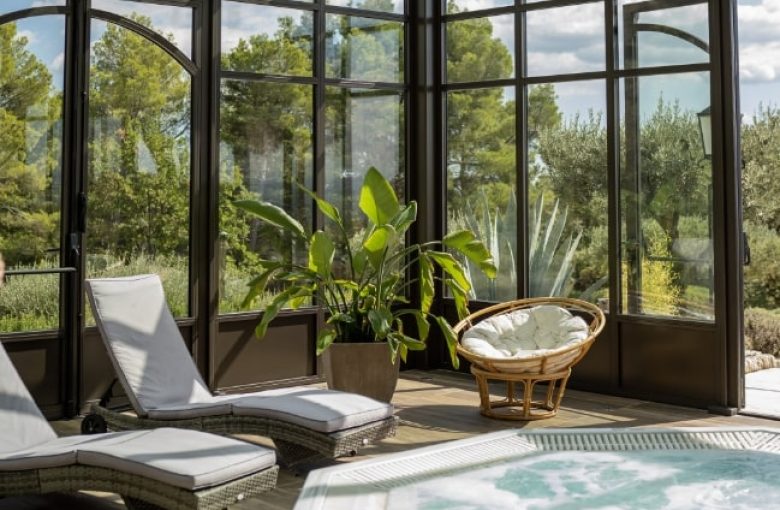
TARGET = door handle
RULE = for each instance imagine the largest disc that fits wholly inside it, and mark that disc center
(745, 249)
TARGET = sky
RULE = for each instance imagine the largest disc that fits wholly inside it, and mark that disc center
(560, 40)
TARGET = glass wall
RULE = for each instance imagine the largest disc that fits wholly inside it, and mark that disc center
(139, 150)
(31, 169)
(535, 78)
(270, 130)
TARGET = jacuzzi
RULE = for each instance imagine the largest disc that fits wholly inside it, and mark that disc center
(563, 469)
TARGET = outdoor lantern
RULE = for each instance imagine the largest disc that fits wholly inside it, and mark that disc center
(705, 128)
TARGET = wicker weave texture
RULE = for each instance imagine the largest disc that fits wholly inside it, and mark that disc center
(141, 492)
(295, 443)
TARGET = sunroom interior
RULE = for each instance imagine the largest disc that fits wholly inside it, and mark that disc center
(625, 153)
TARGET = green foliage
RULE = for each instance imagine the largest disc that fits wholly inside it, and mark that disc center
(30, 148)
(761, 160)
(551, 254)
(762, 330)
(370, 302)
(762, 276)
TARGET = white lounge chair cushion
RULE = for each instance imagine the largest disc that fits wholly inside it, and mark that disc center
(22, 425)
(183, 458)
(55, 453)
(188, 411)
(526, 333)
(145, 344)
(318, 409)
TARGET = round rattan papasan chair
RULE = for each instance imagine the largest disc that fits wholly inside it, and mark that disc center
(527, 341)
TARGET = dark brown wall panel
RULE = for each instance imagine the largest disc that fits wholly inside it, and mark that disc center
(595, 371)
(39, 362)
(671, 364)
(286, 352)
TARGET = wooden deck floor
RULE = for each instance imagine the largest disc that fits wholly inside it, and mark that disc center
(441, 406)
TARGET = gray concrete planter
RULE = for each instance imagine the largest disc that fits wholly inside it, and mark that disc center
(362, 368)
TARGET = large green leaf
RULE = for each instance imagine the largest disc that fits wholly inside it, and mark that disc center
(467, 243)
(321, 253)
(325, 337)
(451, 339)
(275, 306)
(404, 219)
(423, 328)
(452, 267)
(272, 214)
(328, 209)
(378, 242)
(427, 290)
(381, 322)
(460, 296)
(377, 198)
(258, 284)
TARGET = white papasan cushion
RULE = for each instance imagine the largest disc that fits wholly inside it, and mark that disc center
(525, 333)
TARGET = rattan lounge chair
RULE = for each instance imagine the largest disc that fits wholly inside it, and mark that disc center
(508, 346)
(165, 388)
(150, 469)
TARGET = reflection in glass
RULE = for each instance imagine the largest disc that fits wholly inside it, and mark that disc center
(480, 49)
(666, 198)
(30, 144)
(455, 6)
(396, 6)
(481, 181)
(565, 40)
(363, 128)
(568, 197)
(30, 303)
(7, 6)
(364, 49)
(139, 162)
(653, 34)
(173, 22)
(265, 39)
(265, 150)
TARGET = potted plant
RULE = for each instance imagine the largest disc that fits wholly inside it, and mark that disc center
(366, 298)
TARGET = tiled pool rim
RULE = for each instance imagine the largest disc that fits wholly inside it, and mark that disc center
(376, 477)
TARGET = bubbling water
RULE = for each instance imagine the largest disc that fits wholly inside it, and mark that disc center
(651, 480)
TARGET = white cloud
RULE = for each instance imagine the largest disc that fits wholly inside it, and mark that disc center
(759, 37)
(58, 64)
(241, 21)
(47, 3)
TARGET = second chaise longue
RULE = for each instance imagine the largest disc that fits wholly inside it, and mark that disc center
(165, 388)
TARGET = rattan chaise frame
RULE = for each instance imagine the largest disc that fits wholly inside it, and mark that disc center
(295, 444)
(553, 368)
(138, 492)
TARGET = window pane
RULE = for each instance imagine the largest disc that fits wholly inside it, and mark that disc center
(265, 149)
(363, 128)
(17, 5)
(30, 303)
(666, 197)
(263, 39)
(455, 6)
(652, 35)
(481, 49)
(31, 82)
(364, 49)
(567, 179)
(481, 182)
(565, 40)
(396, 6)
(173, 22)
(139, 162)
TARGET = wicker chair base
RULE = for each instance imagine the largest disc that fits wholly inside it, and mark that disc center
(139, 492)
(525, 408)
(295, 444)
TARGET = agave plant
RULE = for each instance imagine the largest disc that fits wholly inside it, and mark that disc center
(550, 261)
(369, 302)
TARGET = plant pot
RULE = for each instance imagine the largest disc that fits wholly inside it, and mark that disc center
(362, 368)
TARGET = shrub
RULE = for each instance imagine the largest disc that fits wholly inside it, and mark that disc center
(762, 330)
(762, 276)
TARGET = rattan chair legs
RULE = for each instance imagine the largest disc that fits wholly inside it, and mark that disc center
(525, 408)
